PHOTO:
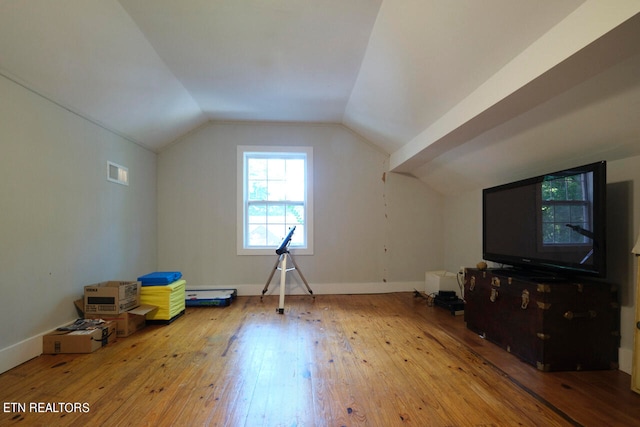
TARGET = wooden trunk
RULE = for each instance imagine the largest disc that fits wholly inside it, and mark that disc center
(553, 325)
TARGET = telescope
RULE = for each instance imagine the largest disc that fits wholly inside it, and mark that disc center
(281, 264)
(284, 246)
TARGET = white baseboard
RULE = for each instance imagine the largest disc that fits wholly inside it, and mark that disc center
(327, 288)
(25, 350)
(19, 353)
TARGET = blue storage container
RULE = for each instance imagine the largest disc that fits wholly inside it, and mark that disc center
(160, 278)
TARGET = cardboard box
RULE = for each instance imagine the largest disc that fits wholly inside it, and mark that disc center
(129, 321)
(79, 341)
(111, 297)
(126, 323)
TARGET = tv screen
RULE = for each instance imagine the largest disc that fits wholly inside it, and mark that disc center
(552, 223)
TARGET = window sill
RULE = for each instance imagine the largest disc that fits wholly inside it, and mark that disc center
(272, 251)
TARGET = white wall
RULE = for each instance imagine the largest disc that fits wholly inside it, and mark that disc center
(63, 225)
(463, 242)
(373, 231)
(463, 230)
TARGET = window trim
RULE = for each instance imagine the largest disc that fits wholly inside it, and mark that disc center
(241, 196)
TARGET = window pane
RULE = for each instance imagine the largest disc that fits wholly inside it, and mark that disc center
(546, 191)
(256, 168)
(257, 190)
(575, 189)
(295, 215)
(277, 190)
(275, 214)
(275, 234)
(257, 235)
(556, 190)
(257, 214)
(548, 233)
(563, 234)
(295, 179)
(562, 213)
(578, 213)
(276, 169)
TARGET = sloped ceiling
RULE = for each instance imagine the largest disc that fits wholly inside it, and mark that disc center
(460, 94)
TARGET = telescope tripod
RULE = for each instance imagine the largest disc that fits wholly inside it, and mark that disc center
(281, 264)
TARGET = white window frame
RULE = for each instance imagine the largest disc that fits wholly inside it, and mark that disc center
(242, 203)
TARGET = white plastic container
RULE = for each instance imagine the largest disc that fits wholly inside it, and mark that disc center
(441, 280)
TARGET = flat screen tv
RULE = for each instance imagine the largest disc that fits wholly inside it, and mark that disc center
(552, 224)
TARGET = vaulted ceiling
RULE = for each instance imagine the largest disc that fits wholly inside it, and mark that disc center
(460, 94)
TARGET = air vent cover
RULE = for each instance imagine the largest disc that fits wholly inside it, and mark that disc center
(117, 173)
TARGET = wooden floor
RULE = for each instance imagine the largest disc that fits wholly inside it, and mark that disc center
(348, 360)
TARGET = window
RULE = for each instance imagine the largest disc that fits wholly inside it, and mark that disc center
(274, 194)
(566, 207)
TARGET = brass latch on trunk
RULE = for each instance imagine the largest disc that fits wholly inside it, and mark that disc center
(472, 283)
(544, 288)
(543, 305)
(525, 299)
(570, 315)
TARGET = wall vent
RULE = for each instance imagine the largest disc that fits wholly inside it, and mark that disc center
(117, 173)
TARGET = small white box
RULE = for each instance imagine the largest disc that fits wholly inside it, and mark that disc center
(441, 280)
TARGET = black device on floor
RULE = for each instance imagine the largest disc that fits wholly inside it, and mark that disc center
(450, 301)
